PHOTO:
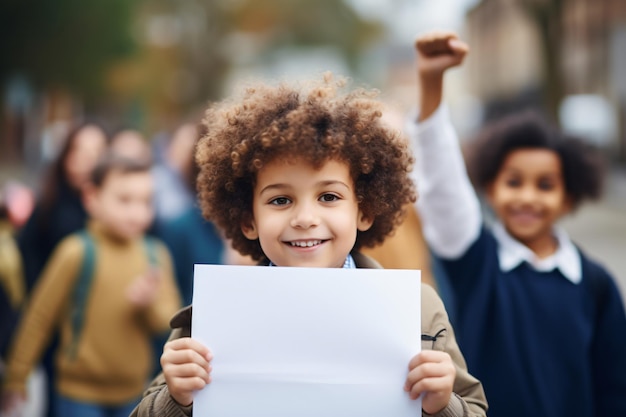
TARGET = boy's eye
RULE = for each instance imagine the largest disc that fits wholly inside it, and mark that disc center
(513, 182)
(328, 198)
(545, 185)
(280, 201)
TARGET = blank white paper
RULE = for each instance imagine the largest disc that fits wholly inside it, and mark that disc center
(306, 341)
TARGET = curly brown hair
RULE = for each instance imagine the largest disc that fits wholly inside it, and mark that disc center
(317, 121)
(583, 165)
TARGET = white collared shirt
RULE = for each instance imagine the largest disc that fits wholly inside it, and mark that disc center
(511, 253)
(447, 203)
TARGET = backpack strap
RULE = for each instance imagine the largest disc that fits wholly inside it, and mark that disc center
(151, 250)
(81, 290)
(85, 278)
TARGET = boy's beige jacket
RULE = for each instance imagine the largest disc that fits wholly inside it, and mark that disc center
(468, 398)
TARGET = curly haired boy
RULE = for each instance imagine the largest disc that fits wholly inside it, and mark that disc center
(305, 177)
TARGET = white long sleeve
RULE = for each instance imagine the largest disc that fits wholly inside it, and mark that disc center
(447, 204)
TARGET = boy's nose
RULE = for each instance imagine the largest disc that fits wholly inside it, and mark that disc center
(304, 217)
(528, 194)
(140, 214)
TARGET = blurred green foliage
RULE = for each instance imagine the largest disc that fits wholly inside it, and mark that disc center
(309, 23)
(148, 63)
(66, 43)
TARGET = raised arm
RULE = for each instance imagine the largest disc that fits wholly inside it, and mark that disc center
(447, 203)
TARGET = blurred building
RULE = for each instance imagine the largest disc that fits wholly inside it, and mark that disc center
(529, 52)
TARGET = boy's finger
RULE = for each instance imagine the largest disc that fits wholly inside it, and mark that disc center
(426, 356)
(425, 370)
(433, 36)
(435, 43)
(189, 343)
(435, 47)
(424, 385)
(181, 357)
(436, 384)
(189, 370)
(458, 46)
(190, 384)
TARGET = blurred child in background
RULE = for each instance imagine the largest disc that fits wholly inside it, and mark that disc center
(540, 323)
(59, 211)
(108, 289)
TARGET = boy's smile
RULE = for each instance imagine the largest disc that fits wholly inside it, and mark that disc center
(304, 216)
(306, 243)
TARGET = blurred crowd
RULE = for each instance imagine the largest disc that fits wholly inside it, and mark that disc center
(33, 224)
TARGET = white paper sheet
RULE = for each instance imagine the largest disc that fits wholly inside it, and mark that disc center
(306, 341)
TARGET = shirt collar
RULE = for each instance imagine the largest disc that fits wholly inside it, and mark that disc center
(347, 264)
(511, 253)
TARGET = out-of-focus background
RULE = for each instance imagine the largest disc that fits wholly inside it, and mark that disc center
(152, 64)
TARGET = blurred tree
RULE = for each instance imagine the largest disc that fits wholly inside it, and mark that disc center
(64, 43)
(547, 16)
(189, 47)
(308, 23)
(147, 64)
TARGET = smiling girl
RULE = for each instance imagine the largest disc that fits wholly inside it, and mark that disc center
(541, 324)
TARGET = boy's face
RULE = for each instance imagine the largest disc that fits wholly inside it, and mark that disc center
(86, 149)
(123, 203)
(305, 217)
(529, 195)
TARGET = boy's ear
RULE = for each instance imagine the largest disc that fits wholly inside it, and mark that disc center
(568, 205)
(363, 222)
(249, 230)
(89, 195)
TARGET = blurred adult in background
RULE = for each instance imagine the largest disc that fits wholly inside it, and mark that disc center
(59, 211)
(131, 144)
(190, 238)
(174, 174)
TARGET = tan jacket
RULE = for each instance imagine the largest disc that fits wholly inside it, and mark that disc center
(468, 399)
(406, 248)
